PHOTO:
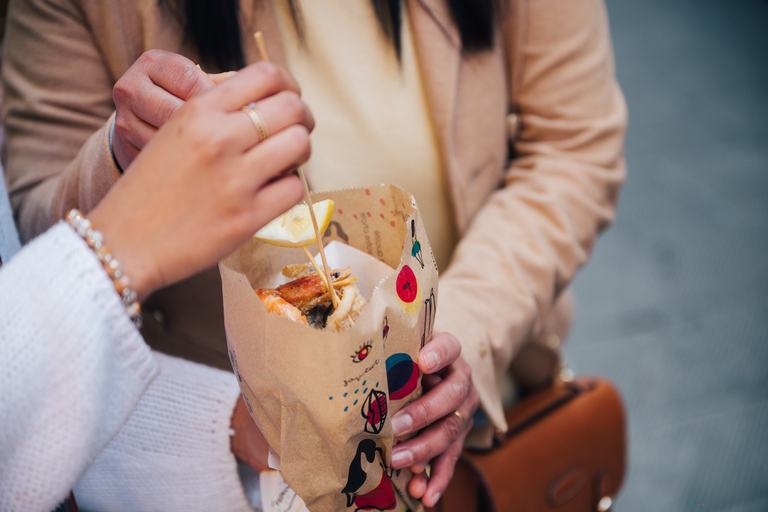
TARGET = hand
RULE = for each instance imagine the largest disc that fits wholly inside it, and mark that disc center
(204, 184)
(146, 96)
(448, 387)
(248, 443)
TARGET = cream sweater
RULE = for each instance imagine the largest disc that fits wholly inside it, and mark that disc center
(79, 388)
(373, 122)
(73, 369)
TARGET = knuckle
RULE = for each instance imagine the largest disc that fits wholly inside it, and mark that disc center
(186, 81)
(269, 73)
(168, 108)
(121, 92)
(457, 392)
(451, 344)
(122, 127)
(151, 57)
(422, 412)
(293, 105)
(207, 143)
(453, 426)
(427, 450)
(300, 141)
(212, 144)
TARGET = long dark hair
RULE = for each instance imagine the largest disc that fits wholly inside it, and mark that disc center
(214, 29)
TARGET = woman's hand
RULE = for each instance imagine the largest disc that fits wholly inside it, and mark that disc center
(448, 387)
(205, 182)
(248, 443)
(146, 96)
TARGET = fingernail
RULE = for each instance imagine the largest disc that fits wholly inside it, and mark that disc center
(402, 458)
(431, 360)
(401, 423)
(436, 497)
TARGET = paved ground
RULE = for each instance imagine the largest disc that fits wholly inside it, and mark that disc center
(674, 305)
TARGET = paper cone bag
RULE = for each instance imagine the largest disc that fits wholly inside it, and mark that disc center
(324, 399)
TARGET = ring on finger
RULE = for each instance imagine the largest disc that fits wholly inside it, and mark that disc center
(462, 418)
(258, 122)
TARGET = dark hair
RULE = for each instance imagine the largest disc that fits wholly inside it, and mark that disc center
(214, 29)
(475, 20)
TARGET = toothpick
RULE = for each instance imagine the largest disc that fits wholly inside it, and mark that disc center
(314, 264)
(262, 47)
(307, 199)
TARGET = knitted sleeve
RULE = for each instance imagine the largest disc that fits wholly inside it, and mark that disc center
(174, 452)
(73, 368)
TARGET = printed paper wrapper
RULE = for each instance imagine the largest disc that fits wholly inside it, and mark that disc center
(324, 400)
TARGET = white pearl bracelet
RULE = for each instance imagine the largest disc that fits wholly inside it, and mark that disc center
(95, 241)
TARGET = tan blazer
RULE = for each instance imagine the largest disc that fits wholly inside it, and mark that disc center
(531, 137)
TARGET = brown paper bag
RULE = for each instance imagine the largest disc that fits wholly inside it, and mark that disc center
(324, 399)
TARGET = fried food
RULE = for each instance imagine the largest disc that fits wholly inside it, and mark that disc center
(278, 305)
(350, 305)
(308, 297)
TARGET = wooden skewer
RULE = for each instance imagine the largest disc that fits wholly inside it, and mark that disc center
(262, 47)
(314, 264)
(307, 199)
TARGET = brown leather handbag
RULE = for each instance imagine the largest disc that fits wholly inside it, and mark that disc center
(565, 451)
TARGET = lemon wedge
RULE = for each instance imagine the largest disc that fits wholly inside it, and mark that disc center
(294, 227)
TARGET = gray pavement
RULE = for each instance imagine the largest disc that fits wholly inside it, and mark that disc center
(674, 304)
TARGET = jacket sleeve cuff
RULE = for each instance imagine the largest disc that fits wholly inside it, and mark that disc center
(476, 349)
(99, 171)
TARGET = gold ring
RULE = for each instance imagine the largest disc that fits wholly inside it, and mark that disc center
(258, 122)
(461, 417)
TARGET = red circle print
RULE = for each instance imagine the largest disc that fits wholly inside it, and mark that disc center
(407, 287)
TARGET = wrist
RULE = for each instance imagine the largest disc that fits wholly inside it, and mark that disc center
(128, 248)
(112, 266)
(111, 146)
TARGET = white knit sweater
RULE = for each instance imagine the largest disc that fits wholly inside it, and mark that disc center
(73, 371)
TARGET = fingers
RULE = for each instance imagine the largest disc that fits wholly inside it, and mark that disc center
(146, 96)
(443, 413)
(278, 112)
(157, 85)
(442, 350)
(175, 73)
(435, 439)
(442, 472)
(152, 104)
(275, 198)
(248, 443)
(277, 155)
(131, 135)
(251, 84)
(220, 77)
(446, 397)
(417, 487)
(284, 109)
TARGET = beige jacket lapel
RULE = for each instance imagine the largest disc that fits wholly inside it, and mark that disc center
(438, 47)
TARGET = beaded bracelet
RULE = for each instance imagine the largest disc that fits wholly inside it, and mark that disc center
(95, 241)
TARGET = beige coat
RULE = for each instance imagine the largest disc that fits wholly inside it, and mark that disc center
(527, 223)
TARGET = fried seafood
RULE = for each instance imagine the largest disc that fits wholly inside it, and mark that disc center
(278, 305)
(350, 305)
(308, 297)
